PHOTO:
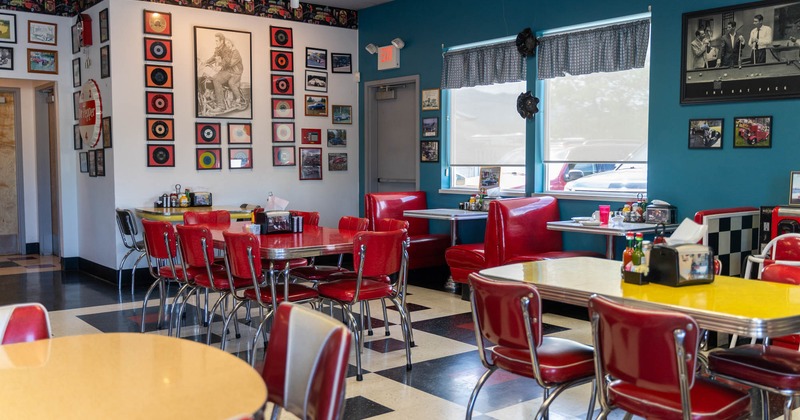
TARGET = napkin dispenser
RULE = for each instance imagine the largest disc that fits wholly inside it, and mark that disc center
(274, 221)
(201, 199)
(681, 265)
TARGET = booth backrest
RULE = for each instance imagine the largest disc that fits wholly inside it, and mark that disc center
(733, 234)
(518, 226)
(391, 205)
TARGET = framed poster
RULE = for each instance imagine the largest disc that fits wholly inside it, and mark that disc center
(752, 132)
(310, 163)
(223, 56)
(105, 61)
(337, 162)
(240, 158)
(42, 33)
(341, 63)
(311, 136)
(429, 151)
(76, 72)
(104, 25)
(342, 114)
(741, 53)
(8, 28)
(42, 61)
(283, 156)
(316, 106)
(316, 58)
(157, 23)
(6, 58)
(77, 140)
(76, 39)
(705, 134)
(208, 159)
(316, 81)
(106, 132)
(430, 99)
(240, 133)
(83, 159)
(430, 127)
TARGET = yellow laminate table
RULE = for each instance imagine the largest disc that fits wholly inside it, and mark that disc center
(730, 304)
(175, 214)
(125, 376)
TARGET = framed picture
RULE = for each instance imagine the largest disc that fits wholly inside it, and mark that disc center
(280, 37)
(160, 129)
(283, 132)
(92, 161)
(83, 160)
(429, 151)
(755, 132)
(240, 158)
(208, 159)
(316, 81)
(76, 39)
(232, 95)
(342, 114)
(794, 188)
(316, 106)
(158, 23)
(157, 49)
(76, 104)
(283, 156)
(42, 33)
(104, 25)
(106, 132)
(42, 61)
(282, 108)
(316, 58)
(6, 58)
(76, 137)
(282, 84)
(311, 136)
(281, 61)
(430, 127)
(240, 133)
(8, 28)
(159, 103)
(208, 133)
(740, 53)
(310, 163)
(705, 134)
(76, 72)
(341, 63)
(105, 61)
(157, 76)
(337, 138)
(337, 161)
(160, 155)
(430, 99)
(100, 162)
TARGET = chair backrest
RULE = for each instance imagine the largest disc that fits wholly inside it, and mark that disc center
(518, 226)
(786, 247)
(385, 224)
(238, 255)
(393, 204)
(643, 347)
(497, 312)
(197, 245)
(310, 218)
(353, 223)
(23, 323)
(307, 363)
(128, 230)
(216, 218)
(159, 239)
(384, 252)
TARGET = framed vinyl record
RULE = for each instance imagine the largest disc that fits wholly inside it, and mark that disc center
(283, 156)
(208, 133)
(158, 76)
(160, 155)
(280, 37)
(282, 61)
(157, 23)
(160, 129)
(159, 103)
(240, 133)
(282, 85)
(240, 158)
(208, 159)
(282, 108)
(156, 49)
(283, 132)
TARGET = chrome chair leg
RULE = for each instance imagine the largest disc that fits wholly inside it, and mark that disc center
(133, 272)
(474, 396)
(146, 298)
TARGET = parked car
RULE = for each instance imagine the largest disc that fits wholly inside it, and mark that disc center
(572, 171)
(624, 178)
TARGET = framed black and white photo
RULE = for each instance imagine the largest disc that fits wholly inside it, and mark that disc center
(106, 132)
(705, 133)
(104, 25)
(8, 28)
(310, 163)
(225, 56)
(76, 72)
(316, 58)
(6, 58)
(83, 159)
(92, 162)
(100, 162)
(429, 151)
(430, 99)
(342, 114)
(77, 141)
(341, 63)
(741, 53)
(105, 61)
(76, 39)
(752, 132)
(42, 33)
(430, 127)
(316, 81)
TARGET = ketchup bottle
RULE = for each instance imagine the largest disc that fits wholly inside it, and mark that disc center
(627, 256)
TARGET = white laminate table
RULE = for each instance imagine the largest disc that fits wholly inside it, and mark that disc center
(453, 215)
(609, 231)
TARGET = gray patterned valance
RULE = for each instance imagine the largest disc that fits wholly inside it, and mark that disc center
(603, 49)
(484, 65)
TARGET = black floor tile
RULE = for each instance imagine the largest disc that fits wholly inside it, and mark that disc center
(58, 290)
(8, 264)
(386, 345)
(460, 327)
(362, 408)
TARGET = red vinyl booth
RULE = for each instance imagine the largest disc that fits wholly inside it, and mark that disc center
(426, 249)
(516, 231)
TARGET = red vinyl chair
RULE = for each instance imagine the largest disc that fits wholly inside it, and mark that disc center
(783, 249)
(509, 314)
(645, 363)
(23, 323)
(310, 218)
(244, 266)
(308, 354)
(162, 256)
(316, 273)
(216, 219)
(377, 256)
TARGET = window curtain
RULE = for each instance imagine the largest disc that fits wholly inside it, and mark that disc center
(604, 49)
(484, 65)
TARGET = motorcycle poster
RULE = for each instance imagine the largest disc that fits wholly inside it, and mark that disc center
(224, 73)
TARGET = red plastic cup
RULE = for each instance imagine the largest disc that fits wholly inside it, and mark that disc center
(605, 210)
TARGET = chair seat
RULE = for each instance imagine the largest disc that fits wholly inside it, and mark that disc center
(221, 281)
(345, 290)
(710, 400)
(280, 265)
(770, 366)
(316, 272)
(560, 360)
(352, 275)
(297, 292)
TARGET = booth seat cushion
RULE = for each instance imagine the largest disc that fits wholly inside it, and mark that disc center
(427, 250)
(465, 259)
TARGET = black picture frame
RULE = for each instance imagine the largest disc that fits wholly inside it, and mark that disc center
(752, 132)
(76, 104)
(341, 63)
(76, 39)
(8, 21)
(77, 140)
(240, 158)
(104, 29)
(283, 156)
(706, 133)
(316, 81)
(429, 151)
(716, 68)
(105, 61)
(205, 54)
(106, 132)
(76, 72)
(83, 162)
(92, 162)
(316, 58)
(6, 58)
(430, 127)
(794, 188)
(100, 161)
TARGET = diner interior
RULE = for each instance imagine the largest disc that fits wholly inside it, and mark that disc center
(193, 178)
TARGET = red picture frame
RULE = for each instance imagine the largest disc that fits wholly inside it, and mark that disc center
(208, 133)
(282, 61)
(160, 155)
(310, 163)
(283, 132)
(160, 129)
(208, 159)
(157, 23)
(311, 136)
(159, 103)
(282, 84)
(280, 37)
(156, 49)
(283, 108)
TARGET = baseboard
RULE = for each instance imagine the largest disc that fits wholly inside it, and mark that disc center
(32, 248)
(97, 270)
(70, 264)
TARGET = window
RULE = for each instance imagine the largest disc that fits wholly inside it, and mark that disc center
(595, 128)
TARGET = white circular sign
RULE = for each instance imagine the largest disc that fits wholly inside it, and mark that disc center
(90, 113)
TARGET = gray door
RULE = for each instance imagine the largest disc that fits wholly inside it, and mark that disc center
(392, 135)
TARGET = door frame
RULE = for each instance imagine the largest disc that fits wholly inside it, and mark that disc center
(21, 240)
(371, 128)
(45, 152)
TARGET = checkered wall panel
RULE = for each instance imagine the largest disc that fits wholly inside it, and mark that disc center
(732, 236)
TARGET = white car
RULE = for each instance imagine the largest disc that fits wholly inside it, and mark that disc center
(625, 178)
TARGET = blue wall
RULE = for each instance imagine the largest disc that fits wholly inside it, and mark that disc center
(690, 179)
